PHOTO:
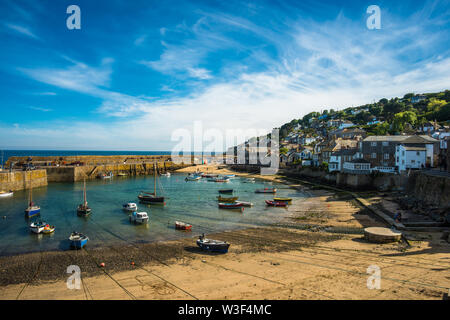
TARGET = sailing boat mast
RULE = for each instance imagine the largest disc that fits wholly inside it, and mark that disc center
(84, 193)
(154, 184)
(30, 196)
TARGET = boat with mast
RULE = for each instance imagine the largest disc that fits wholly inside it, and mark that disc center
(151, 197)
(32, 209)
(83, 209)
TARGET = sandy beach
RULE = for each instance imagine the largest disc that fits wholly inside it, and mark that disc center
(318, 252)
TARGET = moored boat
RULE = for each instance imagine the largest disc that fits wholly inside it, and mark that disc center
(245, 203)
(78, 240)
(106, 176)
(139, 217)
(266, 190)
(37, 227)
(229, 176)
(232, 206)
(276, 203)
(221, 180)
(182, 226)
(48, 229)
(226, 191)
(192, 178)
(222, 199)
(249, 180)
(167, 174)
(131, 206)
(151, 197)
(288, 200)
(4, 194)
(83, 209)
(32, 209)
(212, 245)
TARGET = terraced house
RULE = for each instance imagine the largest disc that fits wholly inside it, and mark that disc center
(380, 151)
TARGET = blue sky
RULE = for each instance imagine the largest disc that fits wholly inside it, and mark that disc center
(139, 70)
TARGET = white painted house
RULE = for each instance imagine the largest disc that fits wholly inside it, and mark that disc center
(410, 157)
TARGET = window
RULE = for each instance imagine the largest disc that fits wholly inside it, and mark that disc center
(398, 159)
(373, 144)
(374, 155)
(418, 153)
(385, 144)
(413, 161)
(386, 156)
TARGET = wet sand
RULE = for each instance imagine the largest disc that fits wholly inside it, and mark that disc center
(317, 253)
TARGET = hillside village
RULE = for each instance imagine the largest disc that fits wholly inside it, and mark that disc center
(390, 136)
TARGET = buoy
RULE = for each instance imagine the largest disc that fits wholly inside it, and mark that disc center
(102, 264)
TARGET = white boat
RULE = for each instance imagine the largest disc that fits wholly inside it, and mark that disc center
(139, 217)
(245, 203)
(4, 194)
(167, 174)
(37, 227)
(131, 206)
(193, 178)
(106, 176)
(249, 180)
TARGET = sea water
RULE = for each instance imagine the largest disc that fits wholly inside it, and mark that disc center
(194, 202)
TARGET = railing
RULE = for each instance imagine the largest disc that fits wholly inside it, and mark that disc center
(384, 169)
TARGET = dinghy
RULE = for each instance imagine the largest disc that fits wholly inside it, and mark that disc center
(192, 178)
(276, 203)
(139, 217)
(48, 229)
(226, 191)
(221, 180)
(288, 200)
(232, 206)
(167, 174)
(212, 245)
(131, 206)
(78, 240)
(249, 180)
(266, 190)
(182, 226)
(32, 209)
(231, 200)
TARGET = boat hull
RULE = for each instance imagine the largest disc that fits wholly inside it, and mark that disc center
(149, 199)
(226, 191)
(32, 212)
(276, 203)
(78, 244)
(221, 248)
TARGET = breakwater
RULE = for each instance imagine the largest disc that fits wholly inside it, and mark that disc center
(19, 180)
(77, 168)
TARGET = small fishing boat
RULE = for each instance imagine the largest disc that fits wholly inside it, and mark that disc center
(4, 194)
(48, 229)
(249, 180)
(221, 180)
(226, 191)
(276, 203)
(182, 226)
(229, 176)
(131, 206)
(78, 240)
(83, 209)
(288, 200)
(266, 190)
(232, 206)
(245, 203)
(192, 178)
(37, 227)
(212, 245)
(139, 217)
(167, 174)
(122, 174)
(222, 199)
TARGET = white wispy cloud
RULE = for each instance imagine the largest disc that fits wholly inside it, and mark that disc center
(40, 109)
(331, 64)
(22, 30)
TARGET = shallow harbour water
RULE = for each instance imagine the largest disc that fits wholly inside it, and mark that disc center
(191, 202)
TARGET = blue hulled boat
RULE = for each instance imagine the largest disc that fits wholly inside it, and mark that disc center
(78, 240)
